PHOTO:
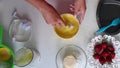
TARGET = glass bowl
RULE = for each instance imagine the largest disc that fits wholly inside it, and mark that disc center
(20, 30)
(90, 52)
(77, 52)
(26, 56)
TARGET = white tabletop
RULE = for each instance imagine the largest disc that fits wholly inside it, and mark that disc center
(43, 36)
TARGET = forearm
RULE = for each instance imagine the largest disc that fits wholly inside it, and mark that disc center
(41, 5)
(82, 1)
(50, 15)
(44, 7)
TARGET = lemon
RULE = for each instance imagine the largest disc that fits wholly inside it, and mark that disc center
(4, 54)
(23, 57)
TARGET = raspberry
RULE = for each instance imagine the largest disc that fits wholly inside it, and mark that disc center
(96, 56)
(98, 48)
(112, 55)
(105, 53)
(104, 45)
(108, 59)
(102, 60)
(111, 48)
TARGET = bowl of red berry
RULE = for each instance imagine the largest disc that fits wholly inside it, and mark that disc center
(103, 51)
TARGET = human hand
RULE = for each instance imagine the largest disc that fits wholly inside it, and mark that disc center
(52, 17)
(79, 7)
(49, 13)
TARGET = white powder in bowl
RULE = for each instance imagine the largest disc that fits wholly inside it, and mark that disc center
(69, 61)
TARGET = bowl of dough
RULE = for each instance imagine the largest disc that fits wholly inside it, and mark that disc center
(71, 56)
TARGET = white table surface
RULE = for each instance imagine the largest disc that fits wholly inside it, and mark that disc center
(43, 36)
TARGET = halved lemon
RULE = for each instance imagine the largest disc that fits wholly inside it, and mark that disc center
(23, 57)
(4, 54)
(71, 29)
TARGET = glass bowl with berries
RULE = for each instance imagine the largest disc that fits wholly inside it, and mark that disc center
(103, 51)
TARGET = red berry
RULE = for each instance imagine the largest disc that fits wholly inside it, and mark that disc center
(105, 53)
(96, 56)
(111, 48)
(108, 59)
(102, 60)
(98, 48)
(104, 45)
(112, 55)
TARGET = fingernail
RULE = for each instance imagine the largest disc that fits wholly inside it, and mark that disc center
(75, 15)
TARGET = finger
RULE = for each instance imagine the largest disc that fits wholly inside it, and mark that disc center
(82, 17)
(46, 21)
(71, 9)
(72, 6)
(62, 24)
(54, 25)
(75, 12)
(58, 25)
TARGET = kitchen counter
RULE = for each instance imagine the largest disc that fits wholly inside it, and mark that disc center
(43, 37)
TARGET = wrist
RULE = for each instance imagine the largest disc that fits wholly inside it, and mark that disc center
(40, 4)
(45, 7)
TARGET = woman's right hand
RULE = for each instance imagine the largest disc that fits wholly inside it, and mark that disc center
(78, 8)
(50, 15)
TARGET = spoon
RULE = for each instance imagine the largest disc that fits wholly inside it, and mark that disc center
(115, 22)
